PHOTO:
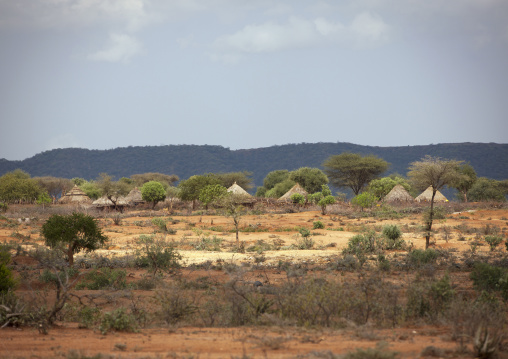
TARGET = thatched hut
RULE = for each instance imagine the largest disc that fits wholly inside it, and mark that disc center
(295, 189)
(426, 196)
(134, 197)
(105, 203)
(238, 191)
(75, 196)
(398, 194)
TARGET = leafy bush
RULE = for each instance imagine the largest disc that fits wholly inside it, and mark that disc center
(297, 198)
(367, 242)
(419, 257)
(393, 240)
(6, 277)
(118, 320)
(160, 223)
(493, 242)
(104, 278)
(318, 225)
(429, 299)
(364, 200)
(490, 278)
(157, 254)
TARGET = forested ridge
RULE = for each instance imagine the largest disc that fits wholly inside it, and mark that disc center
(488, 159)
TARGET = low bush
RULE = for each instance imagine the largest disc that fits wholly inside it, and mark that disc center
(104, 278)
(118, 320)
(420, 257)
(490, 278)
(493, 242)
(157, 255)
(318, 225)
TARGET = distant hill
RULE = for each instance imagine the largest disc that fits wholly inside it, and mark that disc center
(488, 159)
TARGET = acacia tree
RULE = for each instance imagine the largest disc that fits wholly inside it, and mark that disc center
(191, 187)
(154, 192)
(232, 207)
(17, 186)
(111, 189)
(465, 180)
(77, 231)
(212, 193)
(435, 173)
(353, 170)
(311, 179)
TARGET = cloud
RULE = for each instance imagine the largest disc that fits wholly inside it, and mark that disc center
(122, 48)
(365, 30)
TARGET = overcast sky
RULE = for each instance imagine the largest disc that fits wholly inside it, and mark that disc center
(101, 74)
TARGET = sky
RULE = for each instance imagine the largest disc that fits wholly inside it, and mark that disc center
(101, 74)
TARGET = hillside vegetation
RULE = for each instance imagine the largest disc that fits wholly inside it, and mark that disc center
(489, 159)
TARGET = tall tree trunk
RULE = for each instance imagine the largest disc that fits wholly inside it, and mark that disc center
(70, 255)
(431, 217)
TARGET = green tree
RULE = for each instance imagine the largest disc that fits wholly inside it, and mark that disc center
(191, 187)
(157, 254)
(228, 179)
(232, 207)
(113, 190)
(280, 189)
(154, 192)
(324, 202)
(435, 173)
(17, 186)
(274, 178)
(212, 193)
(165, 180)
(323, 198)
(43, 199)
(485, 189)
(380, 187)
(354, 170)
(91, 189)
(465, 180)
(311, 179)
(76, 231)
(364, 200)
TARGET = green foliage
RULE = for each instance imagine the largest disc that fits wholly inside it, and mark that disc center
(275, 177)
(429, 299)
(18, 186)
(242, 179)
(298, 198)
(166, 180)
(464, 181)
(90, 188)
(318, 225)
(7, 281)
(113, 190)
(315, 197)
(354, 170)
(104, 278)
(419, 257)
(43, 198)
(153, 192)
(364, 200)
(382, 186)
(485, 189)
(191, 187)
(325, 202)
(360, 244)
(118, 320)
(157, 255)
(212, 193)
(392, 231)
(490, 278)
(493, 242)
(311, 179)
(77, 231)
(280, 189)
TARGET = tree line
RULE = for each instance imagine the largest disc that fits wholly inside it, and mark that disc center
(360, 174)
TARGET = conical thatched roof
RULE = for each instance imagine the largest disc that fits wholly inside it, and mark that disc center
(106, 202)
(75, 195)
(398, 194)
(239, 191)
(134, 196)
(295, 189)
(426, 196)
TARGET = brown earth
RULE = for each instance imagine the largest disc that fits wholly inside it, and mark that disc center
(66, 340)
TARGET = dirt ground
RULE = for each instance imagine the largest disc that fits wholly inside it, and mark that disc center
(66, 340)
